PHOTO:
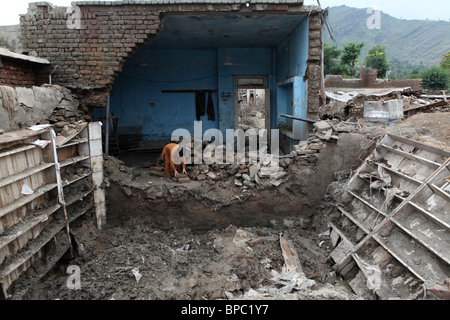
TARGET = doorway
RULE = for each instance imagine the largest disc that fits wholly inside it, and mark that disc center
(252, 103)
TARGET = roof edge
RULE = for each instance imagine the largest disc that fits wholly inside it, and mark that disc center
(10, 54)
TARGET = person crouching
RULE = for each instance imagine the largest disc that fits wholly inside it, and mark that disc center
(173, 156)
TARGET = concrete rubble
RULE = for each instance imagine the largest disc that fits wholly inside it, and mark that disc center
(356, 211)
(345, 244)
(353, 104)
(49, 104)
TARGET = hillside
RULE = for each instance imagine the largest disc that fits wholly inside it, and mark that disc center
(414, 41)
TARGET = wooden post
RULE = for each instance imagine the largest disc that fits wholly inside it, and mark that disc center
(107, 126)
(96, 158)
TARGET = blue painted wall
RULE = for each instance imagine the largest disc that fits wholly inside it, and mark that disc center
(142, 108)
(256, 62)
(292, 94)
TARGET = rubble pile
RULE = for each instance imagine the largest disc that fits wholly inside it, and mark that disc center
(67, 114)
(48, 104)
(349, 105)
(263, 170)
(136, 261)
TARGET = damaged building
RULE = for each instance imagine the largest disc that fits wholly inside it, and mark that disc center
(357, 207)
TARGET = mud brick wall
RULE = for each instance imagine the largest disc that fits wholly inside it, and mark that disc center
(314, 65)
(89, 58)
(19, 73)
(367, 81)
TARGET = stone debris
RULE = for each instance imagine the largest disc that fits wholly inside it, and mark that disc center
(48, 104)
(385, 104)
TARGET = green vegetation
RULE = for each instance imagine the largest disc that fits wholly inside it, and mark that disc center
(349, 58)
(445, 63)
(410, 44)
(331, 59)
(377, 59)
(435, 78)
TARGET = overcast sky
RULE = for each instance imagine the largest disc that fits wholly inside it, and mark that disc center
(406, 9)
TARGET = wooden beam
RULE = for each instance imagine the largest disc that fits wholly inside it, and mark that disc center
(12, 151)
(402, 175)
(423, 146)
(24, 174)
(430, 215)
(26, 199)
(413, 157)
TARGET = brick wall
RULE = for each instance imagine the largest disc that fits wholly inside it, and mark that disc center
(19, 73)
(89, 58)
(333, 81)
(314, 65)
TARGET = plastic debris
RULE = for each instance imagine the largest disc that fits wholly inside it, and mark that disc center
(136, 274)
(26, 190)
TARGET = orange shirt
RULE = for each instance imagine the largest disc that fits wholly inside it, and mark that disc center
(167, 157)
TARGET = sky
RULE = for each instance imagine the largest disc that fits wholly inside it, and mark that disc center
(404, 9)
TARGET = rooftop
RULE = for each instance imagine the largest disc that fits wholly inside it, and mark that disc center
(9, 54)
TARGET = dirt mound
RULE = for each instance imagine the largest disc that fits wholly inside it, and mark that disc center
(431, 128)
(135, 261)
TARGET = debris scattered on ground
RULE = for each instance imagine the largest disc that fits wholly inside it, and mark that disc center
(135, 261)
(348, 104)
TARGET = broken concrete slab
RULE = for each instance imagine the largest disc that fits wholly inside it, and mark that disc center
(325, 135)
(383, 111)
(266, 172)
(25, 97)
(316, 146)
(211, 175)
(253, 170)
(341, 251)
(322, 126)
(278, 175)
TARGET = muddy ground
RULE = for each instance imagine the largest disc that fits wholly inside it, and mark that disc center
(182, 264)
(169, 241)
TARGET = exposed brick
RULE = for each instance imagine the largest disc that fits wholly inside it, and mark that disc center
(90, 58)
(14, 72)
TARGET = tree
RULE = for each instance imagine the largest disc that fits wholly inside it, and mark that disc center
(377, 59)
(350, 55)
(331, 59)
(445, 63)
(435, 78)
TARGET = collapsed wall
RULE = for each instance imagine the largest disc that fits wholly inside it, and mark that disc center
(389, 223)
(21, 107)
(91, 53)
(243, 195)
